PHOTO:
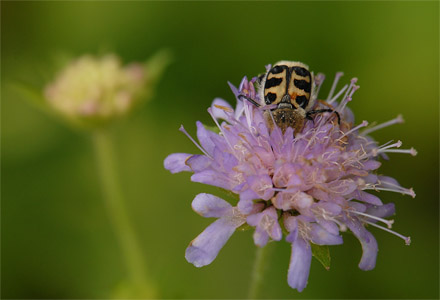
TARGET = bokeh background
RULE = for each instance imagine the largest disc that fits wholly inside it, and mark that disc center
(56, 239)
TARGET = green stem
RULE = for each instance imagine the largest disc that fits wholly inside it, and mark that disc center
(117, 211)
(258, 271)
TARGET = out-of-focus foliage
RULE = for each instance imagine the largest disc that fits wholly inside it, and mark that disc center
(56, 238)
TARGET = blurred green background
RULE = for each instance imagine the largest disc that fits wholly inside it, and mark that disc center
(56, 237)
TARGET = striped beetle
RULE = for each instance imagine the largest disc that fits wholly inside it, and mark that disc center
(289, 88)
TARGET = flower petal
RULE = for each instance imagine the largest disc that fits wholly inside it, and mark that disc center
(210, 206)
(213, 178)
(204, 136)
(221, 109)
(175, 162)
(260, 237)
(206, 246)
(368, 243)
(299, 266)
(320, 236)
(198, 163)
(381, 211)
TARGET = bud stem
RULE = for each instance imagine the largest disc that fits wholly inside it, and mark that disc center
(123, 228)
(258, 271)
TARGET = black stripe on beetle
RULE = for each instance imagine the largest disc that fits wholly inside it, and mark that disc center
(272, 82)
(303, 85)
(278, 69)
(270, 97)
(302, 101)
(301, 71)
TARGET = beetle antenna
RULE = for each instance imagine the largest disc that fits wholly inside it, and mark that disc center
(249, 99)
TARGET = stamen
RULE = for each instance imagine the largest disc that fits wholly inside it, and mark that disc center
(363, 124)
(406, 239)
(384, 147)
(182, 129)
(388, 222)
(338, 94)
(335, 82)
(397, 120)
(350, 87)
(396, 189)
(347, 98)
(319, 79)
(411, 151)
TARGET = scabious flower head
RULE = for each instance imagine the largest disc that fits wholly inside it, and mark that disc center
(94, 90)
(308, 186)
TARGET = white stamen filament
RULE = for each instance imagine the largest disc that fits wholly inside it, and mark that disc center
(338, 94)
(363, 124)
(411, 151)
(319, 79)
(182, 129)
(346, 96)
(397, 120)
(406, 239)
(383, 148)
(401, 190)
(388, 222)
(335, 82)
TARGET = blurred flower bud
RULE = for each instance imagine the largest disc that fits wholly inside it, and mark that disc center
(91, 91)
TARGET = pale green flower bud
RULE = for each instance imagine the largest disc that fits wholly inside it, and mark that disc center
(91, 91)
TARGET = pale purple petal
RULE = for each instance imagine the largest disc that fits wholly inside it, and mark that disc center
(371, 165)
(175, 162)
(299, 266)
(221, 109)
(233, 89)
(198, 163)
(267, 225)
(261, 185)
(245, 205)
(366, 197)
(381, 211)
(330, 226)
(213, 178)
(320, 236)
(209, 206)
(260, 237)
(368, 243)
(290, 223)
(206, 246)
(204, 136)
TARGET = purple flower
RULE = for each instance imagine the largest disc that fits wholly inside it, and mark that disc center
(316, 182)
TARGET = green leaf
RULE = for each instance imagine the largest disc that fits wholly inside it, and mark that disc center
(322, 254)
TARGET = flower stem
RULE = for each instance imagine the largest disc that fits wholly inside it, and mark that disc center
(258, 271)
(140, 285)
